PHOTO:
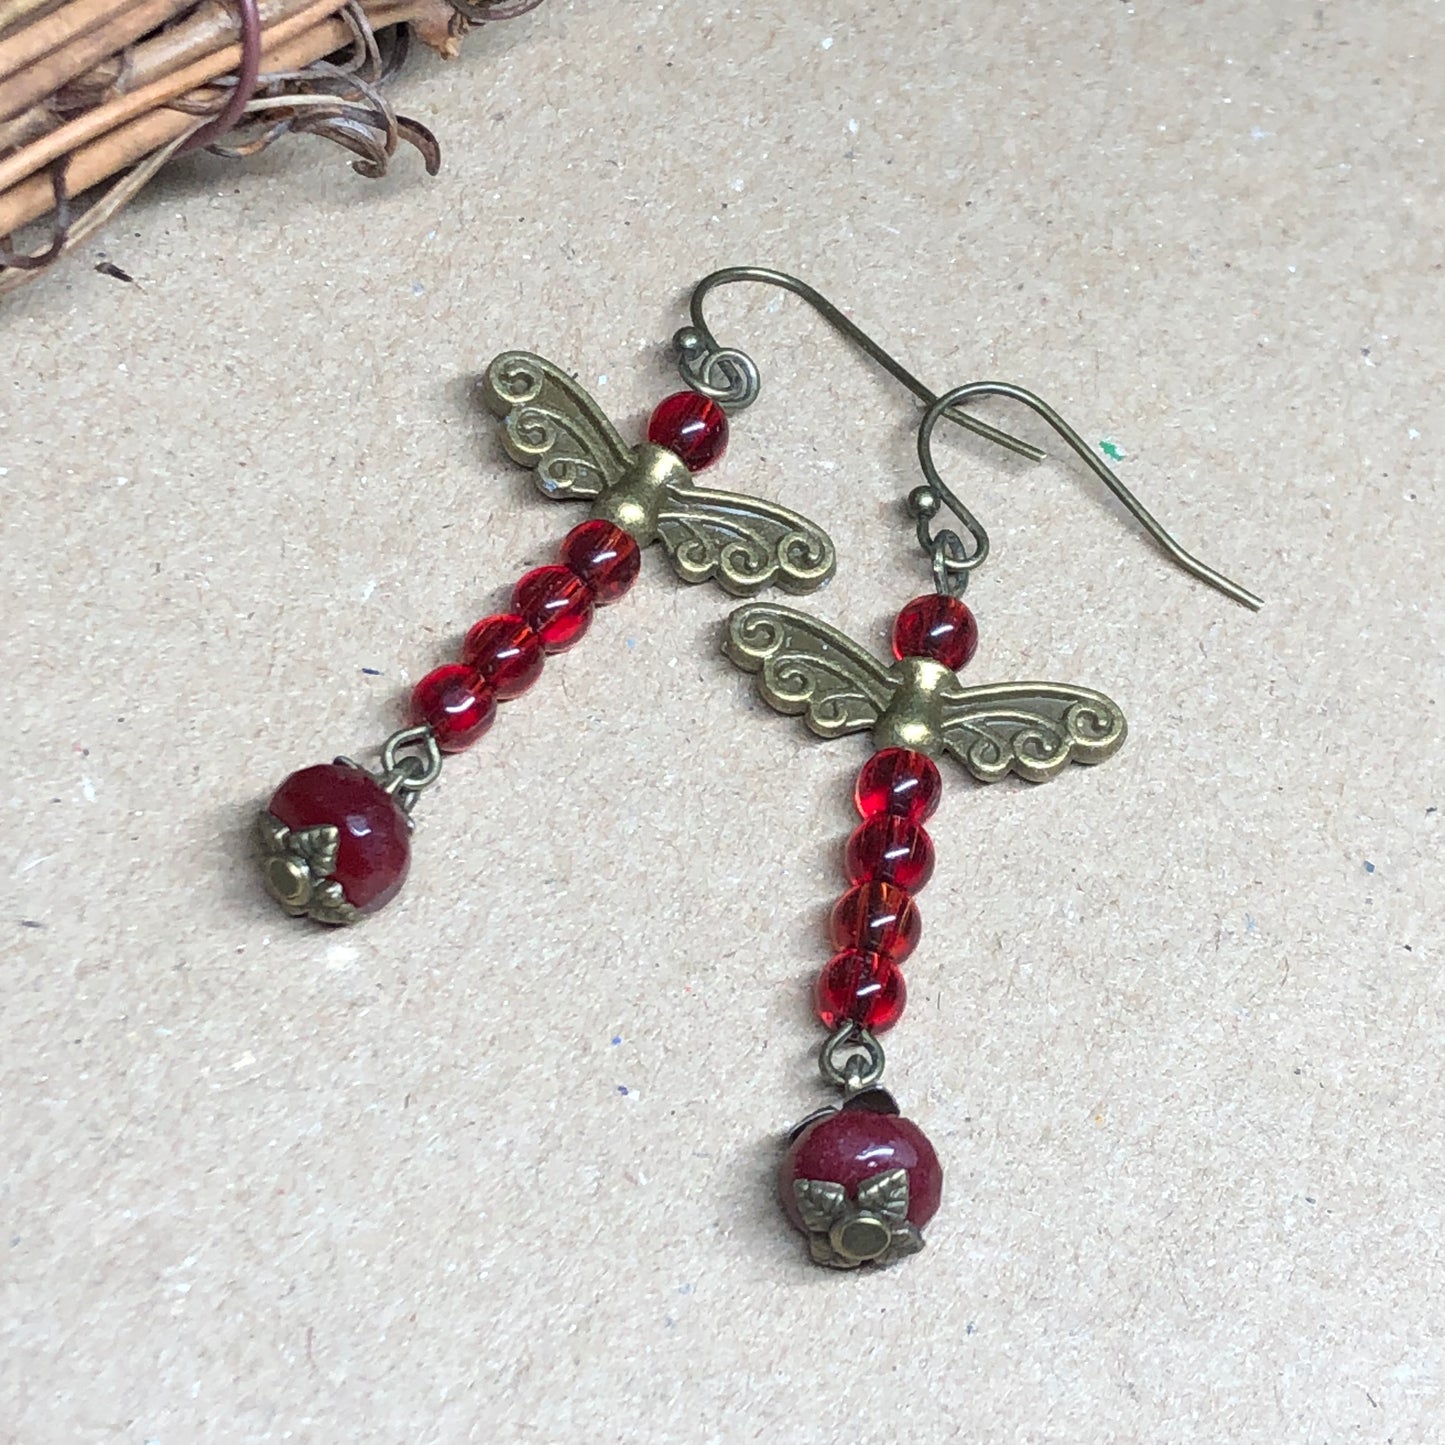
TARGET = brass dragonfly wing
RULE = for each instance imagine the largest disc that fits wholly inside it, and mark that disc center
(807, 668)
(552, 425)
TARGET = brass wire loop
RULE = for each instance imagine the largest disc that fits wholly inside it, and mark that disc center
(404, 775)
(852, 1058)
(731, 378)
(953, 561)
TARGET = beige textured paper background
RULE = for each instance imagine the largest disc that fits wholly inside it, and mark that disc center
(1175, 1027)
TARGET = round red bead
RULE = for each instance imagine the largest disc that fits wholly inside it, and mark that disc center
(939, 627)
(876, 918)
(506, 653)
(890, 849)
(373, 848)
(901, 782)
(604, 556)
(693, 426)
(556, 604)
(456, 704)
(860, 988)
(848, 1148)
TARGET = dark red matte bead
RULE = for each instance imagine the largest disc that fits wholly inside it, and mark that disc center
(890, 849)
(604, 557)
(374, 848)
(506, 653)
(901, 782)
(876, 918)
(860, 988)
(850, 1147)
(556, 604)
(939, 627)
(456, 704)
(693, 426)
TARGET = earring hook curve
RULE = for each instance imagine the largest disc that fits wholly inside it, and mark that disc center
(731, 378)
(953, 562)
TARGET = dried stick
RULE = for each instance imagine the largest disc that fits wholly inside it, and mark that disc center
(13, 12)
(38, 40)
(210, 26)
(124, 190)
(126, 144)
(198, 34)
(27, 126)
(86, 128)
(127, 115)
(38, 78)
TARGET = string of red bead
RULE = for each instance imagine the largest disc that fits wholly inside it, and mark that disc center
(502, 657)
(552, 606)
(875, 925)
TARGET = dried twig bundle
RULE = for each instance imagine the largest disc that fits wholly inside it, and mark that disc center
(95, 91)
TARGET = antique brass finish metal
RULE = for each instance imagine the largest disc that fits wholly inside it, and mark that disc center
(873, 1229)
(730, 377)
(862, 1236)
(807, 668)
(852, 1058)
(296, 868)
(635, 501)
(952, 561)
(405, 775)
(553, 425)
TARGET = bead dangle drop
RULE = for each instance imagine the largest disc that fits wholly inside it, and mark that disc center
(861, 1181)
(858, 1179)
(336, 837)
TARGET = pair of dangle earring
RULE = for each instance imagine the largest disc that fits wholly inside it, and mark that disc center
(858, 1179)
(336, 837)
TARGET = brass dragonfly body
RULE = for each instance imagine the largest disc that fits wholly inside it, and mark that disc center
(1034, 729)
(552, 425)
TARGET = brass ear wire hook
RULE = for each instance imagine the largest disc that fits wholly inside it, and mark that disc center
(952, 561)
(731, 378)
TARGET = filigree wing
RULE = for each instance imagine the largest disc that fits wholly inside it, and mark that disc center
(550, 423)
(1033, 729)
(804, 666)
(743, 542)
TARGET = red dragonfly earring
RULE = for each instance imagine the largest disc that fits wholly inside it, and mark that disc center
(858, 1179)
(336, 838)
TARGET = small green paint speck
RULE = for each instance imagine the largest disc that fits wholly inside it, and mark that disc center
(1112, 449)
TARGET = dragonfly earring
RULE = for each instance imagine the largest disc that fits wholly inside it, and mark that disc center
(335, 838)
(858, 1179)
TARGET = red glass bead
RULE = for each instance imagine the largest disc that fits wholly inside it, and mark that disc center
(876, 918)
(506, 653)
(860, 988)
(604, 557)
(939, 627)
(889, 849)
(848, 1148)
(556, 604)
(693, 426)
(901, 782)
(456, 704)
(373, 844)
